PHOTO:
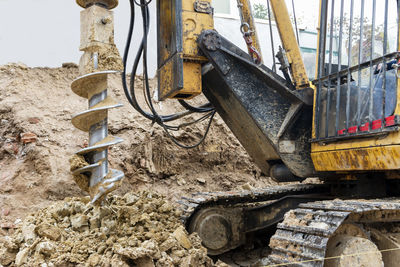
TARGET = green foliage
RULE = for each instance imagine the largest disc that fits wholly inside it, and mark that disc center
(260, 11)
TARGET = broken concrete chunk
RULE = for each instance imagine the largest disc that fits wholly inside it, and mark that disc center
(130, 198)
(28, 232)
(79, 221)
(201, 180)
(22, 256)
(168, 244)
(6, 257)
(94, 260)
(46, 248)
(148, 248)
(49, 231)
(29, 137)
(182, 237)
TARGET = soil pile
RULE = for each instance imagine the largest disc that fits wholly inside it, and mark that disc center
(37, 140)
(133, 230)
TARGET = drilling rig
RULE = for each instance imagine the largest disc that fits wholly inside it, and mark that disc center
(341, 126)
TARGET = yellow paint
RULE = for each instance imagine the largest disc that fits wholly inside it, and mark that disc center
(193, 23)
(289, 42)
(359, 159)
(166, 79)
(191, 83)
(191, 80)
(247, 17)
(340, 155)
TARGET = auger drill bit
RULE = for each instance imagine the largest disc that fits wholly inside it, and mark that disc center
(100, 54)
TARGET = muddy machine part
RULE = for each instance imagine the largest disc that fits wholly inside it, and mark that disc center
(96, 37)
(254, 101)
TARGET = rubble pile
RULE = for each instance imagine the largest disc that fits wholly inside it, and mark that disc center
(133, 230)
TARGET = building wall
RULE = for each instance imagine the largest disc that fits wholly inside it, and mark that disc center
(46, 32)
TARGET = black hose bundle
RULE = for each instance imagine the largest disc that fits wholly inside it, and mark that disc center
(130, 91)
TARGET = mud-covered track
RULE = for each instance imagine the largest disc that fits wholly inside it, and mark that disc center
(203, 200)
(302, 238)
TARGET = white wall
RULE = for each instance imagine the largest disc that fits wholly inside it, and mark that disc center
(46, 32)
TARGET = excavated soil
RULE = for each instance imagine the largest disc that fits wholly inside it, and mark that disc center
(37, 140)
(133, 230)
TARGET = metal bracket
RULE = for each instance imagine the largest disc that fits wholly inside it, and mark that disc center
(211, 40)
(290, 118)
(203, 7)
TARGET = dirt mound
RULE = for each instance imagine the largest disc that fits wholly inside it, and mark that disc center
(133, 230)
(37, 139)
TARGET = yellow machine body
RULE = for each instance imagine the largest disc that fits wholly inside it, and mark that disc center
(180, 22)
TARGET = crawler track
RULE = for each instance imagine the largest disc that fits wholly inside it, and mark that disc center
(304, 233)
(203, 200)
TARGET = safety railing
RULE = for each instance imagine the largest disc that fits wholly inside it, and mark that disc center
(357, 69)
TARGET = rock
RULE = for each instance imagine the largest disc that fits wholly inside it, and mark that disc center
(223, 264)
(201, 180)
(181, 181)
(146, 233)
(94, 222)
(61, 212)
(94, 260)
(117, 261)
(7, 225)
(33, 120)
(79, 221)
(28, 232)
(9, 243)
(46, 248)
(70, 65)
(187, 261)
(247, 186)
(168, 244)
(130, 198)
(6, 257)
(5, 211)
(11, 148)
(144, 262)
(28, 137)
(182, 237)
(21, 256)
(148, 249)
(108, 225)
(49, 231)
(18, 65)
(179, 253)
(101, 249)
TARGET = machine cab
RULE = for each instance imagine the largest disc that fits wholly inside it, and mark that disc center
(356, 101)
